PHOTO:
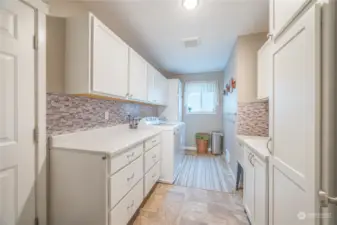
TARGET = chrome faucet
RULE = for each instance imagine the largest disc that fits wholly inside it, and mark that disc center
(133, 122)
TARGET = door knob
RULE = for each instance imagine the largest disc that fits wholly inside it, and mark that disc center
(326, 199)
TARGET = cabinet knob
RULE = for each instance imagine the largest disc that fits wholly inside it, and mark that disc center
(269, 36)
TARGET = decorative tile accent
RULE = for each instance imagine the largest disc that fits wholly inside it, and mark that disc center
(68, 113)
(253, 119)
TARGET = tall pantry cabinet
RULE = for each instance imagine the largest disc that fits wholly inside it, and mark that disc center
(294, 111)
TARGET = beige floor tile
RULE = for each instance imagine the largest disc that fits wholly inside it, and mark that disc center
(174, 205)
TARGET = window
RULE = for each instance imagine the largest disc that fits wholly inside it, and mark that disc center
(201, 97)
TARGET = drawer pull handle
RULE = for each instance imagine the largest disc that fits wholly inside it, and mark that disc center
(132, 204)
(154, 156)
(131, 177)
(130, 155)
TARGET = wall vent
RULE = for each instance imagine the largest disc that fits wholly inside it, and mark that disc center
(191, 42)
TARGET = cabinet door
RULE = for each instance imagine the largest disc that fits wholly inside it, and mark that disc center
(109, 61)
(260, 192)
(137, 76)
(151, 91)
(161, 88)
(293, 166)
(249, 185)
(282, 12)
(264, 71)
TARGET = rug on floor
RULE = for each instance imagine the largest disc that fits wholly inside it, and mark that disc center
(205, 172)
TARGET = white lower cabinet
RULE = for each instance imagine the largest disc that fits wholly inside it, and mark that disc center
(249, 185)
(260, 192)
(98, 188)
(151, 178)
(123, 181)
(255, 196)
(124, 211)
(151, 157)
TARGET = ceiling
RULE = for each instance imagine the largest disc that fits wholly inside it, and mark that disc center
(155, 29)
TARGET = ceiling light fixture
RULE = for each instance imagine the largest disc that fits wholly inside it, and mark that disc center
(190, 4)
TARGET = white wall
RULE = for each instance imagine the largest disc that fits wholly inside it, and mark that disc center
(202, 122)
(55, 54)
(241, 66)
(229, 113)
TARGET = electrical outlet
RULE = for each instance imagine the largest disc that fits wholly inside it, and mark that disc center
(106, 115)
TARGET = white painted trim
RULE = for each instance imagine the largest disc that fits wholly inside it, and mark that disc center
(40, 115)
(230, 169)
(193, 148)
(163, 181)
(38, 4)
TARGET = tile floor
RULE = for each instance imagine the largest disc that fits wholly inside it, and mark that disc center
(205, 172)
(176, 205)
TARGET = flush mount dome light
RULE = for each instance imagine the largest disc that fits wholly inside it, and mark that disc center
(190, 4)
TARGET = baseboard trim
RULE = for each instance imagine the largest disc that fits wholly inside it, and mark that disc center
(193, 148)
(229, 168)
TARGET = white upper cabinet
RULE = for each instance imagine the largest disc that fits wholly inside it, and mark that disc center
(96, 59)
(151, 91)
(99, 63)
(161, 88)
(282, 12)
(137, 77)
(109, 61)
(157, 86)
(264, 71)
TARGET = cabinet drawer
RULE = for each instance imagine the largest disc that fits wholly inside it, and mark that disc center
(124, 211)
(151, 157)
(151, 178)
(152, 142)
(124, 180)
(120, 161)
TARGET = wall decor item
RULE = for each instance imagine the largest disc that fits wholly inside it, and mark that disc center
(228, 88)
(68, 113)
(233, 83)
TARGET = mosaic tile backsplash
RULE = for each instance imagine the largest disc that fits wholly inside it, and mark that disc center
(253, 119)
(67, 113)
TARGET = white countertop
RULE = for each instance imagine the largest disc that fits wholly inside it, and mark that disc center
(256, 144)
(110, 141)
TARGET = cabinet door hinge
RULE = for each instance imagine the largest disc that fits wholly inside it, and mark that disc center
(36, 135)
(35, 42)
(36, 221)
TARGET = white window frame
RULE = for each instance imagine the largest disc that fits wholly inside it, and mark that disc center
(201, 112)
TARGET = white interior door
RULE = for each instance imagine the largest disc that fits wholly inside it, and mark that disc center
(294, 165)
(17, 149)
